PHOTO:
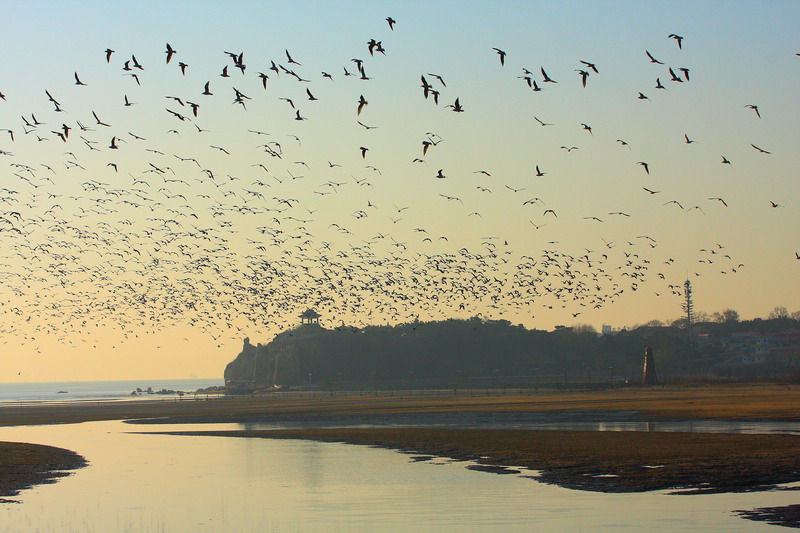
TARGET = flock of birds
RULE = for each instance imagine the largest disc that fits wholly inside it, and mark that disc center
(141, 230)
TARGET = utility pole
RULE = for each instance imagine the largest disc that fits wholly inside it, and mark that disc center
(688, 308)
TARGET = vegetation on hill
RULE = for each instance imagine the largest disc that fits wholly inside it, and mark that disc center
(477, 352)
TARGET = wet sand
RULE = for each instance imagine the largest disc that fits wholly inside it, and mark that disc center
(25, 465)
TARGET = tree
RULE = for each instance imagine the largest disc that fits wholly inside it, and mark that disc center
(726, 316)
(688, 308)
(779, 313)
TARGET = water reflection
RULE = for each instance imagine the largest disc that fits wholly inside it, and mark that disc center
(153, 483)
(573, 421)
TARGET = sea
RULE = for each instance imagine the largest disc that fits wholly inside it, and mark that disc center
(77, 391)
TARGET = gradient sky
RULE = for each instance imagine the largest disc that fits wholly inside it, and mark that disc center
(96, 288)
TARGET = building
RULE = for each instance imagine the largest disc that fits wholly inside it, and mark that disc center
(309, 316)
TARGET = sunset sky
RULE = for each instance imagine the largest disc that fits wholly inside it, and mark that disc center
(156, 258)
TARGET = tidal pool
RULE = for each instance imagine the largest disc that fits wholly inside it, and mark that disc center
(163, 483)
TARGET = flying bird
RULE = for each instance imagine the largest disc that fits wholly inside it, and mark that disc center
(678, 38)
(653, 59)
(457, 107)
(170, 52)
(584, 76)
(754, 108)
(502, 55)
(720, 200)
(591, 66)
(292, 61)
(546, 77)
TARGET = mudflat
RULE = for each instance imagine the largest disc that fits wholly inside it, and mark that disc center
(24, 465)
(730, 402)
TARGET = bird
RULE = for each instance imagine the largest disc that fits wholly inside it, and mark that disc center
(362, 102)
(687, 139)
(653, 59)
(391, 22)
(546, 77)
(760, 149)
(170, 52)
(754, 108)
(292, 61)
(539, 173)
(108, 53)
(725, 161)
(645, 166)
(591, 66)
(642, 96)
(457, 107)
(587, 128)
(678, 38)
(206, 90)
(363, 152)
(99, 122)
(720, 200)
(78, 80)
(113, 144)
(502, 55)
(584, 76)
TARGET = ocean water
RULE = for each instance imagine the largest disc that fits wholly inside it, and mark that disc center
(75, 391)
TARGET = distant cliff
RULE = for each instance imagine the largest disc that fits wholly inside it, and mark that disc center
(434, 353)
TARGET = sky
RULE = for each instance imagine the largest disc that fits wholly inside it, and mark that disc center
(156, 258)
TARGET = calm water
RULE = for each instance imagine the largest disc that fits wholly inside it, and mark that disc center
(71, 391)
(157, 483)
(565, 420)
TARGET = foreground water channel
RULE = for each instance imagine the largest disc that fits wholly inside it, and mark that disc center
(153, 483)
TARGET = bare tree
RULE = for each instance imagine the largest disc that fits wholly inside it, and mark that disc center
(780, 312)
